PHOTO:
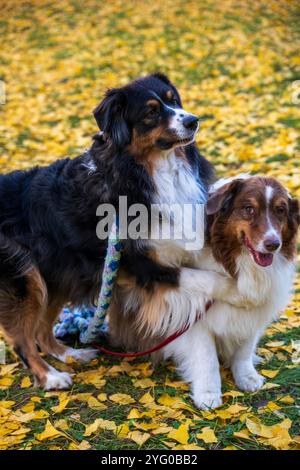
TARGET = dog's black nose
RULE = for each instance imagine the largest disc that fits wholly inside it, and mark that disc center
(271, 244)
(190, 122)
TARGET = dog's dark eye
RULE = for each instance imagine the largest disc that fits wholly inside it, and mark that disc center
(280, 210)
(175, 102)
(152, 113)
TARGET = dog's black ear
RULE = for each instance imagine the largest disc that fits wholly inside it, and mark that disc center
(162, 77)
(110, 117)
(221, 198)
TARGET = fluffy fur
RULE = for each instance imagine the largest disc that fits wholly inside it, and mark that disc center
(49, 251)
(232, 327)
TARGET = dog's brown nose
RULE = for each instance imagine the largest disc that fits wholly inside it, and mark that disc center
(190, 122)
(271, 244)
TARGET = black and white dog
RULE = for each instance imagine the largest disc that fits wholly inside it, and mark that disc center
(49, 251)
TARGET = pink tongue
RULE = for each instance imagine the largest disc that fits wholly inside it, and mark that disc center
(263, 259)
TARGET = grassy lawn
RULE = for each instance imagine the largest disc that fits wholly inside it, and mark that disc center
(236, 65)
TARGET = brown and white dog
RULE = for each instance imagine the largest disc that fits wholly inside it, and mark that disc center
(251, 245)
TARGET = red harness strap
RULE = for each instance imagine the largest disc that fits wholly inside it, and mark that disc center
(159, 346)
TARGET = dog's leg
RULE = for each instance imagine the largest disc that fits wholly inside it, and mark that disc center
(243, 370)
(50, 345)
(22, 304)
(196, 355)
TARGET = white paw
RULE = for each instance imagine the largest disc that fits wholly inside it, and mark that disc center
(250, 382)
(57, 380)
(208, 400)
(81, 355)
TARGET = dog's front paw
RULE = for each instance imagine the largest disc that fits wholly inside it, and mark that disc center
(208, 400)
(250, 382)
(57, 380)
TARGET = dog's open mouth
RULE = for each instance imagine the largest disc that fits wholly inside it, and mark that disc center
(262, 259)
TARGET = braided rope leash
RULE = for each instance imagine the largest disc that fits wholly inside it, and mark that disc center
(109, 274)
(91, 322)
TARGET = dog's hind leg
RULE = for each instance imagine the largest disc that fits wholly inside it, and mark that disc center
(50, 345)
(23, 301)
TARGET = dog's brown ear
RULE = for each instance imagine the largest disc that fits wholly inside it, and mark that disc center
(222, 197)
(110, 117)
(294, 211)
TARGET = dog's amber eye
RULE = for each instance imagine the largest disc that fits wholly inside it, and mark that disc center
(249, 210)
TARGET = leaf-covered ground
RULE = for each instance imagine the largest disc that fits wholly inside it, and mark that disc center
(236, 64)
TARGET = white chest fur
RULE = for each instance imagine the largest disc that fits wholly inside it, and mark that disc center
(177, 185)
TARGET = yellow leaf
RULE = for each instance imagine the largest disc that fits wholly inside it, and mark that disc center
(28, 408)
(176, 384)
(144, 383)
(271, 406)
(92, 428)
(180, 435)
(134, 414)
(33, 415)
(8, 368)
(36, 399)
(7, 404)
(50, 432)
(92, 377)
(138, 437)
(276, 436)
(281, 441)
(286, 399)
(64, 399)
(233, 394)
(274, 344)
(164, 429)
(146, 398)
(173, 402)
(122, 431)
(269, 373)
(102, 397)
(93, 403)
(26, 382)
(259, 429)
(147, 426)
(20, 431)
(121, 398)
(269, 386)
(61, 424)
(207, 435)
(84, 445)
(100, 424)
(243, 434)
(232, 410)
(6, 382)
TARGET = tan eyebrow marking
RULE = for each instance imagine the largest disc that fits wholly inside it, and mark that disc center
(153, 103)
(170, 94)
